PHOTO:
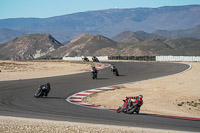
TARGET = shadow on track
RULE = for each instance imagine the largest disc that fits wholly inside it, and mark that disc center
(122, 75)
(102, 78)
(52, 98)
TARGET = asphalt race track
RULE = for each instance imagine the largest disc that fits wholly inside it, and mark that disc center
(16, 97)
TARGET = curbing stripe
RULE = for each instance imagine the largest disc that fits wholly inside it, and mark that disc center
(100, 89)
(76, 97)
(75, 101)
(90, 91)
(81, 94)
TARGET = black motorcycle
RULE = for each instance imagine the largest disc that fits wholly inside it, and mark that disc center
(115, 71)
(85, 59)
(43, 91)
(94, 74)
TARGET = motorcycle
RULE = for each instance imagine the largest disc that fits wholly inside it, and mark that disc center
(43, 91)
(94, 74)
(129, 106)
(95, 59)
(85, 59)
(115, 71)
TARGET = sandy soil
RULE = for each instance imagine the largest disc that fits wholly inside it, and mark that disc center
(177, 95)
(161, 96)
(15, 70)
(11, 125)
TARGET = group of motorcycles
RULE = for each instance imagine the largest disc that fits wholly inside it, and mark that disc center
(113, 69)
(94, 59)
(95, 71)
(129, 106)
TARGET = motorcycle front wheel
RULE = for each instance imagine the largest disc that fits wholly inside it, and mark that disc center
(131, 110)
(119, 110)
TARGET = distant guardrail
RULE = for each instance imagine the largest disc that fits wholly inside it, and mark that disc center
(178, 58)
(142, 58)
(89, 57)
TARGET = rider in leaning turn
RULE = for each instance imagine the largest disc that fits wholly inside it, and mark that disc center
(139, 100)
(45, 88)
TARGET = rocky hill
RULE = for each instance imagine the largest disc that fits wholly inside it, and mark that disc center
(28, 47)
(124, 36)
(84, 44)
(109, 22)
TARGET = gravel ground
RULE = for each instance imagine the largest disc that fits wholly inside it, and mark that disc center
(24, 125)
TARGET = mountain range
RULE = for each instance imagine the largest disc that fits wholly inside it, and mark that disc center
(35, 46)
(89, 45)
(107, 23)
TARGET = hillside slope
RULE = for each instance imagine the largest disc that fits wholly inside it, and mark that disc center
(28, 47)
(124, 36)
(84, 44)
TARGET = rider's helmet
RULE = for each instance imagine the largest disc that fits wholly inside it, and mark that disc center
(141, 96)
(48, 84)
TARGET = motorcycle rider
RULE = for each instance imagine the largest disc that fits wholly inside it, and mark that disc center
(45, 88)
(94, 70)
(111, 67)
(84, 58)
(139, 100)
(95, 59)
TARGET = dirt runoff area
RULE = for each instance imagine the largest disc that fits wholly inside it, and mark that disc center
(176, 95)
(19, 70)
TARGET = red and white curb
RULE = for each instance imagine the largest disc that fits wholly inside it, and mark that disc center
(78, 97)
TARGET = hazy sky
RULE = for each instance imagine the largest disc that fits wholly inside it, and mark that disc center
(49, 8)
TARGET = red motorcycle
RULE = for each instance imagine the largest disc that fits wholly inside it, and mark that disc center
(130, 106)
